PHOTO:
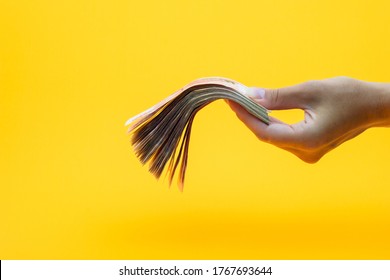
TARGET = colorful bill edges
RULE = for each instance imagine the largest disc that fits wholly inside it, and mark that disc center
(161, 134)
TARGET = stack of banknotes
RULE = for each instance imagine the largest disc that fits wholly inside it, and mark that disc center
(161, 134)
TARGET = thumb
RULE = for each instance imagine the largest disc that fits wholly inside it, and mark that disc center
(279, 99)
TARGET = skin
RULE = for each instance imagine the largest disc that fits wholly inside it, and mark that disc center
(336, 110)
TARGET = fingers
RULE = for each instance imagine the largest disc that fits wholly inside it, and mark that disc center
(277, 132)
(294, 138)
(297, 96)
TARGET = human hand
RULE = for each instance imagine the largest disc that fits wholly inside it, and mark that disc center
(336, 110)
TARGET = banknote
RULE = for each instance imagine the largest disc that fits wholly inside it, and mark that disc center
(160, 135)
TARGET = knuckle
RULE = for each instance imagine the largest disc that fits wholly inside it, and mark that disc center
(311, 88)
(312, 84)
(344, 78)
(263, 137)
(275, 96)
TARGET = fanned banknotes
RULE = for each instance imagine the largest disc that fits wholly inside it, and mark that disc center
(161, 134)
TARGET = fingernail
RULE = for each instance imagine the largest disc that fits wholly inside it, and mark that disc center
(256, 93)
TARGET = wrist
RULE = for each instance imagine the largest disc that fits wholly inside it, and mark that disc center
(379, 98)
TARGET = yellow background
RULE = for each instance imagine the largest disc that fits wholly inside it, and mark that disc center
(71, 74)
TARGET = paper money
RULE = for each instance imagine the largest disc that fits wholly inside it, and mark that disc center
(161, 134)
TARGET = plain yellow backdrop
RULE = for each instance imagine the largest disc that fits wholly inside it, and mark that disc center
(71, 74)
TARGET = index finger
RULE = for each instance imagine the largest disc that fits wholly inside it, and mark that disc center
(277, 132)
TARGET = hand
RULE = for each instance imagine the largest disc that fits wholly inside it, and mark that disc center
(336, 110)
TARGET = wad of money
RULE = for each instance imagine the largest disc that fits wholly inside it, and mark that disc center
(161, 135)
